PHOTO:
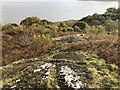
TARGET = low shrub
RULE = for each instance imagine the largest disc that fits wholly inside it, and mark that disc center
(30, 20)
(8, 26)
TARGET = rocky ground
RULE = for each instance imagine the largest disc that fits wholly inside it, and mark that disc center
(61, 69)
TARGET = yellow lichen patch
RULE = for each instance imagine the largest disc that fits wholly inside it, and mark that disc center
(113, 67)
(8, 81)
(18, 62)
(1, 84)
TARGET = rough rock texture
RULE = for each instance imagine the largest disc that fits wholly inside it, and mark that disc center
(60, 69)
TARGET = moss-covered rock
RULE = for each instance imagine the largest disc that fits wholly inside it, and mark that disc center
(68, 72)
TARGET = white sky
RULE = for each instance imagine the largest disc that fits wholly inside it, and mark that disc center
(14, 14)
(39, 0)
(51, 0)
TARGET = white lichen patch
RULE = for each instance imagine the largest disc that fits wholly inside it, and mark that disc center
(13, 87)
(47, 73)
(44, 67)
(17, 80)
(53, 66)
(71, 77)
(37, 70)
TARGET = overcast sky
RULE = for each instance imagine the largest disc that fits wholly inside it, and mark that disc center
(53, 10)
(51, 0)
(39, 0)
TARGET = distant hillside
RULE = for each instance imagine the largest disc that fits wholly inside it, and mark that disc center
(111, 13)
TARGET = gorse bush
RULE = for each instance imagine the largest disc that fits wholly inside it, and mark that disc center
(62, 24)
(97, 29)
(41, 39)
(9, 26)
(77, 29)
(81, 25)
(111, 25)
(44, 22)
(64, 28)
(29, 21)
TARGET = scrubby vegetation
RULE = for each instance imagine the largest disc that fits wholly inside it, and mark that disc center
(71, 70)
(71, 54)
